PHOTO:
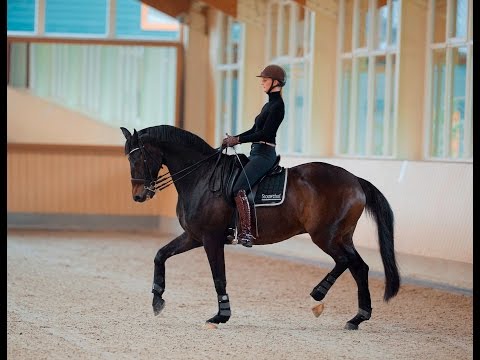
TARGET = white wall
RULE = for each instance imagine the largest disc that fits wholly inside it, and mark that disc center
(432, 203)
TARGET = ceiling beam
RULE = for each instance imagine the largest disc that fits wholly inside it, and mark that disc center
(174, 8)
(301, 2)
(228, 7)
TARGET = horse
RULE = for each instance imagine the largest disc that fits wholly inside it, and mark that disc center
(321, 199)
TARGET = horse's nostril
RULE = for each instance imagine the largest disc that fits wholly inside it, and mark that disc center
(137, 197)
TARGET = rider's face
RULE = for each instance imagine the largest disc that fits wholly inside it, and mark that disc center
(265, 82)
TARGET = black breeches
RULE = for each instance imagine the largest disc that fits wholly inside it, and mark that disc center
(261, 159)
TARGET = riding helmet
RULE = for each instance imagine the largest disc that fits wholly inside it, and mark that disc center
(274, 72)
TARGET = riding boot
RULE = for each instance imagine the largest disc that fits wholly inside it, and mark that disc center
(245, 237)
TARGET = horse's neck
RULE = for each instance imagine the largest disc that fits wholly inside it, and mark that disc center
(187, 168)
(178, 158)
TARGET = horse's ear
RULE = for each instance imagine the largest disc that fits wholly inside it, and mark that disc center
(134, 136)
(126, 133)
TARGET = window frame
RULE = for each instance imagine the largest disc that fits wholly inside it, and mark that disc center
(389, 144)
(449, 45)
(290, 59)
(227, 68)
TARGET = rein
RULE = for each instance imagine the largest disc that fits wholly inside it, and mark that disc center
(165, 180)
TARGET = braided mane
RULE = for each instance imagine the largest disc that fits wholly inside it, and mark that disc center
(172, 134)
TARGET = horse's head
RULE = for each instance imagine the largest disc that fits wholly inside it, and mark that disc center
(145, 163)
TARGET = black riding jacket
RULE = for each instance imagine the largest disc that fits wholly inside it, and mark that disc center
(267, 122)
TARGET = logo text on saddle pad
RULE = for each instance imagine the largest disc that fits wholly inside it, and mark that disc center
(271, 190)
(271, 197)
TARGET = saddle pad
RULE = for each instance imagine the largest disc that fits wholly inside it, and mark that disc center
(271, 190)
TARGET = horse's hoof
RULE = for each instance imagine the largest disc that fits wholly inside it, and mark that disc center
(318, 309)
(350, 326)
(210, 326)
(158, 305)
(231, 240)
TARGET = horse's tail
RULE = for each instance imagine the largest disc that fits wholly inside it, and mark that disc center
(378, 207)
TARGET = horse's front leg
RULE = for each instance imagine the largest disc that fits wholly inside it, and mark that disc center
(182, 243)
(216, 257)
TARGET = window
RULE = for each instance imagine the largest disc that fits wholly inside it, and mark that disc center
(449, 80)
(21, 16)
(367, 77)
(119, 85)
(228, 72)
(135, 19)
(88, 17)
(91, 19)
(289, 44)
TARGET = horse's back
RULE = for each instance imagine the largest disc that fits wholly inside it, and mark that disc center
(324, 191)
(323, 173)
(320, 197)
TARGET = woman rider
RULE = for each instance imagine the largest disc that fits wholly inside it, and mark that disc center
(263, 138)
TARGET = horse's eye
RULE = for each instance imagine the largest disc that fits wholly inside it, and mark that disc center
(133, 158)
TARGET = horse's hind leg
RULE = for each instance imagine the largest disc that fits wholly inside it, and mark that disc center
(359, 270)
(320, 291)
(330, 246)
(178, 245)
(343, 252)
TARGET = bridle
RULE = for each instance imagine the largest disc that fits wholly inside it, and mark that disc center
(146, 169)
(165, 180)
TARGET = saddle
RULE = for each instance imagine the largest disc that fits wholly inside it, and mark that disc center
(235, 171)
(268, 191)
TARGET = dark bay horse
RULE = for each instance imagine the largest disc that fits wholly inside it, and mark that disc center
(322, 200)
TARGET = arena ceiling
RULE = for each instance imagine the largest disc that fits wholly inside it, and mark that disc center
(250, 11)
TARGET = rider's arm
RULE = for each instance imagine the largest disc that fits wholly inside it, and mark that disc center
(270, 128)
(248, 132)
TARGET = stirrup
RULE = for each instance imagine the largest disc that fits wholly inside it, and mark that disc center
(246, 239)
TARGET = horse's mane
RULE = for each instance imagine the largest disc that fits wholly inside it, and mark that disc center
(172, 134)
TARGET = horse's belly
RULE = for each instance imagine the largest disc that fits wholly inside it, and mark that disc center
(276, 224)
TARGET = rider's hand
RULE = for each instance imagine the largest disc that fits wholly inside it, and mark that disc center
(230, 141)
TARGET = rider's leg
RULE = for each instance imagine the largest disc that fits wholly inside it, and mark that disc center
(245, 237)
(261, 159)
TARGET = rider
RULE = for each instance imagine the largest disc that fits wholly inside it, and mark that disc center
(262, 154)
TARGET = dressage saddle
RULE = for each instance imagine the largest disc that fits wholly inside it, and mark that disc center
(235, 171)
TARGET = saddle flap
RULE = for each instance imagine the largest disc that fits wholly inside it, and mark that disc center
(240, 161)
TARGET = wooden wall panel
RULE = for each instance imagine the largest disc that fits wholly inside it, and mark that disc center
(76, 180)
